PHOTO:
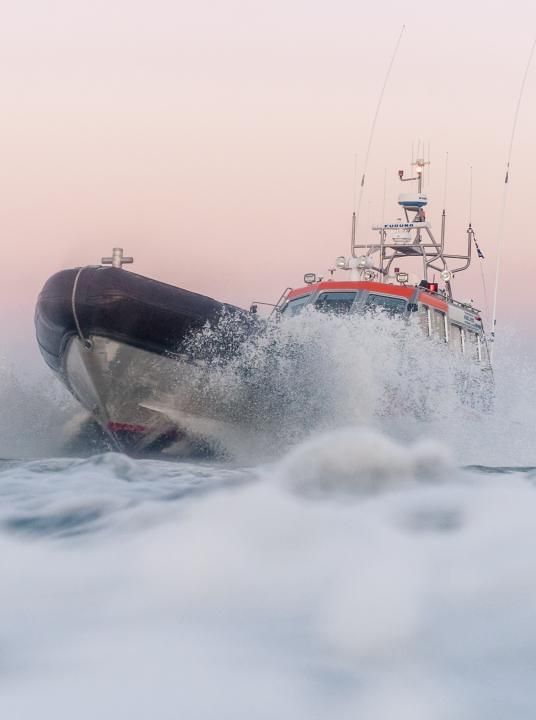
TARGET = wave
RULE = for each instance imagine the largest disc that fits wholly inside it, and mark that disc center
(308, 375)
(314, 586)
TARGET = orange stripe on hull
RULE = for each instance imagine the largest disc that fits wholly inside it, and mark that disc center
(433, 301)
(401, 291)
(406, 292)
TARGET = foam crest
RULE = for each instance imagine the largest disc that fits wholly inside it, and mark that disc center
(280, 607)
(355, 461)
(263, 393)
(314, 373)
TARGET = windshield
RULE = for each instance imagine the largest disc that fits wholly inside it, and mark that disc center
(335, 302)
(385, 303)
(293, 307)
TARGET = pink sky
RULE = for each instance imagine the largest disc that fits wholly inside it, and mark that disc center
(215, 141)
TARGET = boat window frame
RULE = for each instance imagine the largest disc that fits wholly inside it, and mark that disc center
(423, 316)
(327, 291)
(289, 302)
(461, 345)
(399, 298)
(437, 324)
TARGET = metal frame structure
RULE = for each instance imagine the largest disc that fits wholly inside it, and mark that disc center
(415, 239)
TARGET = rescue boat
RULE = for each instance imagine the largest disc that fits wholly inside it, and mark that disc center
(120, 341)
(377, 280)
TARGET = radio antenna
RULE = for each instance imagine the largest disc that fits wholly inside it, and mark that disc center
(384, 193)
(470, 194)
(355, 217)
(477, 246)
(445, 181)
(504, 199)
(354, 201)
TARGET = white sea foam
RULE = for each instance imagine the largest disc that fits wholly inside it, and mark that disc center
(259, 598)
(356, 572)
(314, 374)
(354, 461)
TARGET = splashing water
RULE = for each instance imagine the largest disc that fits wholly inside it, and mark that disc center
(35, 413)
(313, 373)
(344, 565)
(308, 375)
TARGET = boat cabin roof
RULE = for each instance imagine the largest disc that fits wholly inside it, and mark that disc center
(386, 295)
(410, 292)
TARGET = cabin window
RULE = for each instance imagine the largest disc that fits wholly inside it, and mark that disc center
(293, 307)
(425, 320)
(389, 305)
(438, 324)
(335, 302)
(456, 338)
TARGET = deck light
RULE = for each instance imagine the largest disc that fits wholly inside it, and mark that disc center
(402, 277)
(446, 275)
(364, 261)
(309, 278)
(340, 262)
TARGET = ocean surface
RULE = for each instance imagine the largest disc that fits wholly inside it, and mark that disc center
(366, 551)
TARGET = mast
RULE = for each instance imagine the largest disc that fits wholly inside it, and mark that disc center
(504, 200)
(409, 238)
(355, 219)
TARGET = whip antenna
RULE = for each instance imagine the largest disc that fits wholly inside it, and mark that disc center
(470, 195)
(477, 246)
(445, 181)
(355, 217)
(384, 193)
(504, 198)
(354, 202)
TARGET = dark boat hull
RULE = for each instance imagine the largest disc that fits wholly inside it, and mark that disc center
(117, 341)
(119, 305)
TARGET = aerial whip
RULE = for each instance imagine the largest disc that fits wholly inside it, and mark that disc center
(355, 215)
(479, 252)
(504, 198)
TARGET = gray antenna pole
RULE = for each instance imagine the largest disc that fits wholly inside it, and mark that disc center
(352, 239)
(384, 193)
(471, 195)
(445, 181)
(505, 195)
(373, 128)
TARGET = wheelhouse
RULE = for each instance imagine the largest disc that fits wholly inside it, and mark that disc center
(347, 297)
(453, 323)
(377, 283)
